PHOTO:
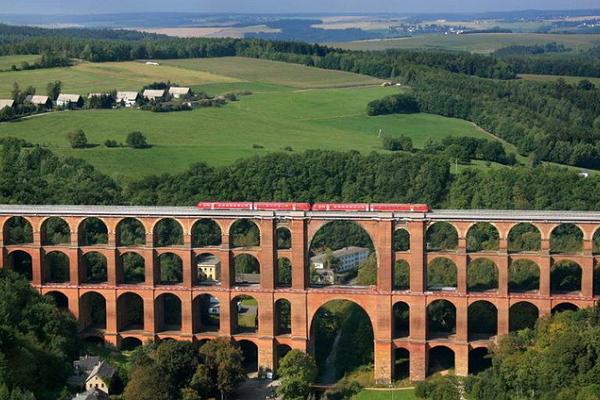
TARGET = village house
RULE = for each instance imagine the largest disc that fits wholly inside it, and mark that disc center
(179, 92)
(349, 258)
(209, 268)
(100, 378)
(90, 373)
(40, 101)
(154, 94)
(6, 103)
(69, 100)
(128, 99)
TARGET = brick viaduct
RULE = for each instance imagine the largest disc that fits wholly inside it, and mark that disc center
(378, 301)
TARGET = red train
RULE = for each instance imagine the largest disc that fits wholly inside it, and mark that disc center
(283, 206)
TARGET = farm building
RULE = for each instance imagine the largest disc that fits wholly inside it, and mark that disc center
(69, 100)
(40, 101)
(129, 99)
(350, 258)
(154, 94)
(6, 103)
(179, 92)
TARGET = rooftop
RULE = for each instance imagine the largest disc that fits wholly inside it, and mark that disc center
(340, 253)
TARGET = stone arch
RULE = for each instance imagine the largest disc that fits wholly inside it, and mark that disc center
(206, 313)
(92, 311)
(170, 269)
(59, 298)
(441, 319)
(130, 343)
(282, 350)
(206, 233)
(596, 242)
(244, 312)
(480, 359)
(284, 238)
(401, 240)
(21, 262)
(566, 238)
(522, 315)
(440, 359)
(401, 320)
(17, 230)
(483, 236)
(564, 306)
(92, 231)
(244, 233)
(524, 237)
(401, 275)
(57, 267)
(482, 320)
(401, 363)
(246, 270)
(130, 232)
(565, 277)
(207, 270)
(283, 317)
(132, 268)
(167, 313)
(130, 312)
(94, 267)
(523, 276)
(250, 355)
(55, 231)
(441, 236)
(442, 274)
(342, 253)
(482, 275)
(284, 272)
(168, 232)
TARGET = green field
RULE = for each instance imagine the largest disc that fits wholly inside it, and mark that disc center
(401, 394)
(569, 79)
(477, 42)
(7, 62)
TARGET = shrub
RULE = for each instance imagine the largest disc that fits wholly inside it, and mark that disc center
(137, 140)
(111, 143)
(395, 104)
(397, 143)
(77, 139)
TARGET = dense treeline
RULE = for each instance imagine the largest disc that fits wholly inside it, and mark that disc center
(521, 50)
(37, 176)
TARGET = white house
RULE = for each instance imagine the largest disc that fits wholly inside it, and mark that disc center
(7, 103)
(179, 92)
(100, 378)
(350, 258)
(128, 98)
(154, 94)
(209, 268)
(40, 101)
(69, 100)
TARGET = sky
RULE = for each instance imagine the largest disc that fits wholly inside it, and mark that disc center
(283, 6)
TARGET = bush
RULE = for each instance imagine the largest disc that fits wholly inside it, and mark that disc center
(137, 140)
(397, 143)
(77, 139)
(230, 96)
(111, 143)
(396, 104)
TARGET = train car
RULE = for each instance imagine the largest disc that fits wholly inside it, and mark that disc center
(399, 207)
(226, 205)
(281, 206)
(340, 207)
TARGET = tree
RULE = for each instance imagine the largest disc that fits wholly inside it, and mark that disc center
(298, 372)
(224, 361)
(77, 139)
(146, 384)
(136, 140)
(53, 89)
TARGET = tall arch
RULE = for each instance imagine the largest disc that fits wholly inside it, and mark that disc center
(566, 238)
(244, 233)
(401, 240)
(441, 236)
(522, 315)
(283, 317)
(250, 355)
(206, 233)
(246, 270)
(17, 230)
(168, 233)
(441, 274)
(524, 237)
(244, 311)
(57, 268)
(480, 359)
(206, 313)
(483, 236)
(92, 311)
(21, 262)
(440, 359)
(523, 276)
(441, 319)
(565, 277)
(401, 319)
(284, 272)
(207, 269)
(284, 238)
(401, 364)
(167, 313)
(596, 242)
(92, 231)
(130, 312)
(482, 275)
(132, 268)
(482, 320)
(94, 266)
(401, 275)
(55, 231)
(342, 253)
(170, 269)
(130, 232)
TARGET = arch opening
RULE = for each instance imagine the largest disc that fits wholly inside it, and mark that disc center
(441, 319)
(283, 317)
(565, 277)
(94, 268)
(206, 310)
(401, 240)
(130, 343)
(167, 313)
(522, 315)
(524, 237)
(596, 242)
(168, 233)
(206, 233)
(130, 232)
(441, 236)
(401, 275)
(480, 359)
(92, 311)
(401, 313)
(170, 269)
(130, 312)
(17, 230)
(523, 276)
(401, 364)
(482, 320)
(562, 307)
(246, 270)
(55, 231)
(132, 269)
(284, 238)
(483, 236)
(342, 253)
(244, 310)
(92, 231)
(57, 268)
(208, 270)
(441, 275)
(482, 276)
(282, 350)
(244, 233)
(250, 353)
(566, 238)
(284, 272)
(440, 360)
(21, 262)
(60, 300)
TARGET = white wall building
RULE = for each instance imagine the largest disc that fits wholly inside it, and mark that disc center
(350, 258)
